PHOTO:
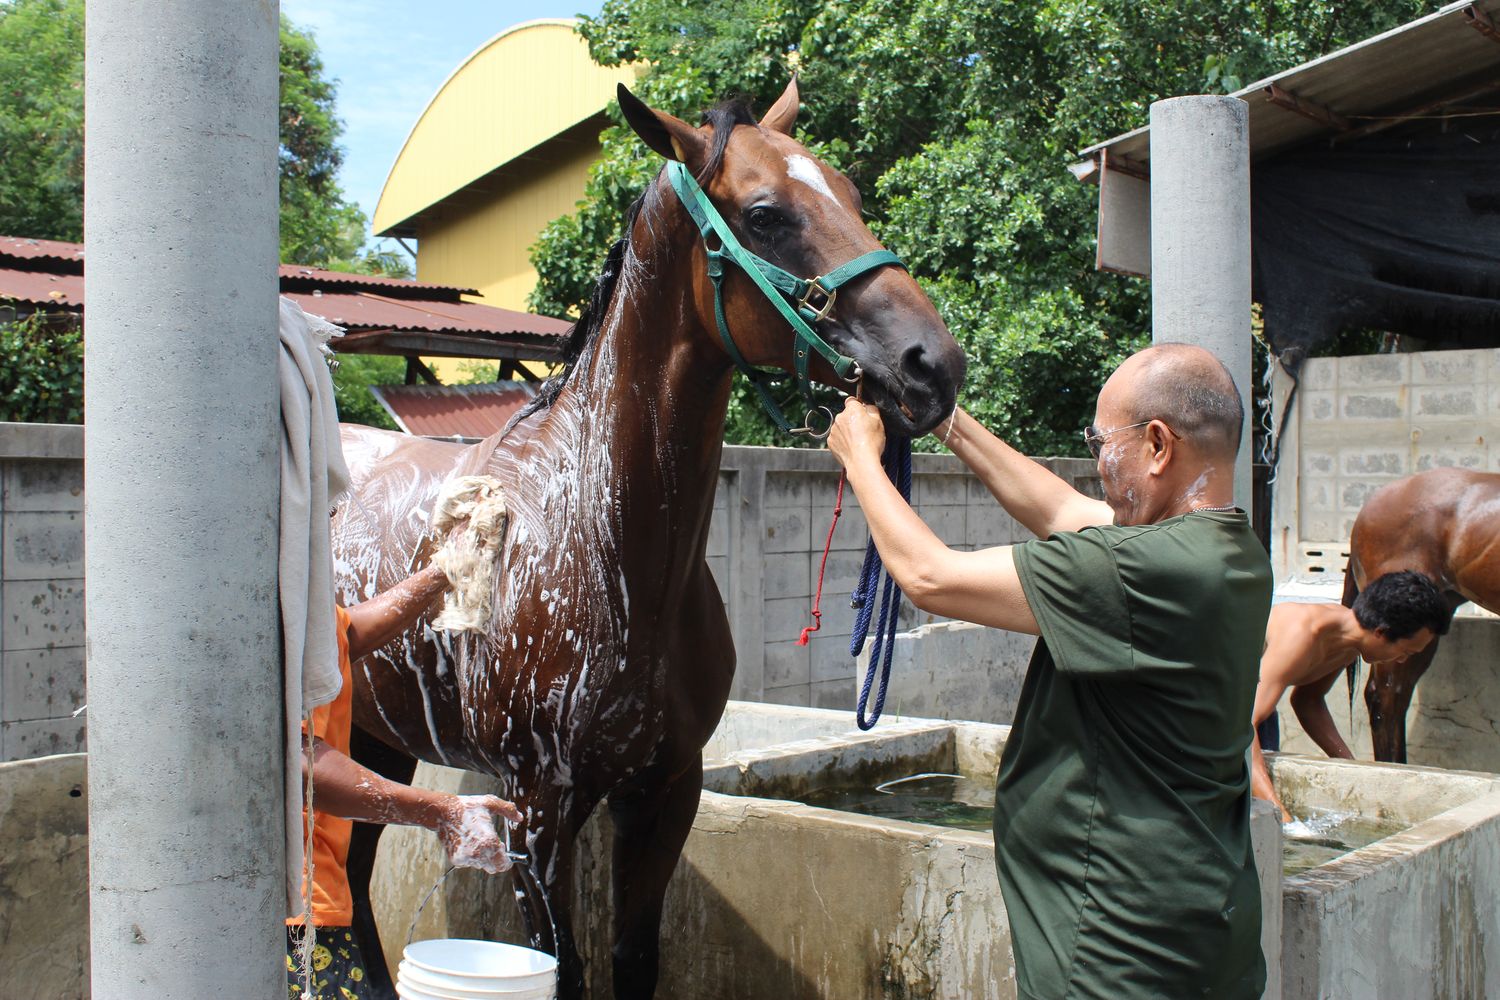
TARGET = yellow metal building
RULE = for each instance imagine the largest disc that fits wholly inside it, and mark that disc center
(502, 149)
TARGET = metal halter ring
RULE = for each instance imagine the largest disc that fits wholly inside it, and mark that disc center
(822, 310)
(807, 428)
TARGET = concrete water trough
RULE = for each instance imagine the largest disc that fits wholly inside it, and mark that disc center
(777, 898)
(1412, 915)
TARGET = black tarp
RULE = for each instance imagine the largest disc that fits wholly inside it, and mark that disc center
(1398, 233)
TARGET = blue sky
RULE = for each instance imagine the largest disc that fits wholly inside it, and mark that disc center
(390, 56)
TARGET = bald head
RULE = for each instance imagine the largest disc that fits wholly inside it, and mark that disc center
(1189, 389)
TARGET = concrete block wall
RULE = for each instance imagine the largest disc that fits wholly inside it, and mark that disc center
(1361, 422)
(41, 590)
(770, 519)
(955, 670)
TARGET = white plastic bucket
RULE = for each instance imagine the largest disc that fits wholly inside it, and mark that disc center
(432, 984)
(479, 967)
(406, 991)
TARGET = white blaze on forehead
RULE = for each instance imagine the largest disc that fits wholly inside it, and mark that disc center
(801, 168)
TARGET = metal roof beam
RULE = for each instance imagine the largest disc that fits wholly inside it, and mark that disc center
(435, 345)
(1322, 114)
(1482, 23)
(1383, 122)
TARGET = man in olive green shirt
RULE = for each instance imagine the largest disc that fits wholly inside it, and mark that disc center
(1122, 816)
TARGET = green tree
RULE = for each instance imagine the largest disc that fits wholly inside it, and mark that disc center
(351, 387)
(957, 120)
(41, 196)
(41, 136)
(41, 369)
(41, 119)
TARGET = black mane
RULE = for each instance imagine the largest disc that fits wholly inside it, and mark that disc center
(722, 118)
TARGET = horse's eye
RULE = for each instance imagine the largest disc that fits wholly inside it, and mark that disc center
(762, 219)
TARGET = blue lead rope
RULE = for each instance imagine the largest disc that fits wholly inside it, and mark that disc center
(897, 462)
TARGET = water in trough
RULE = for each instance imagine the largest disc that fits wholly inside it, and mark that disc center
(965, 802)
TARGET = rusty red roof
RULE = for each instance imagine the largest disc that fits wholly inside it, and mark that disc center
(363, 310)
(471, 411)
(41, 288)
(383, 315)
(297, 274)
(27, 249)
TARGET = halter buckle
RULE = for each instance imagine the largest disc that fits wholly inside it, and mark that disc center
(822, 308)
(807, 429)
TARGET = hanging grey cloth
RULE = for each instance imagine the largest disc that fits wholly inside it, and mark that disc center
(313, 474)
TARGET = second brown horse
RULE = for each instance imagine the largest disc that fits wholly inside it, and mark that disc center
(609, 660)
(1444, 524)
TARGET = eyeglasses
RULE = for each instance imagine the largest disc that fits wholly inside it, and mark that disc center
(1095, 438)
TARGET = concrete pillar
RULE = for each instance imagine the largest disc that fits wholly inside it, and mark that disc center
(1200, 239)
(186, 849)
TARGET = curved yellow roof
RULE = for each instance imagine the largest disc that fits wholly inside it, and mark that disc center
(515, 92)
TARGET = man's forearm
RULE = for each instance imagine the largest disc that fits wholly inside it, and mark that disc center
(1043, 502)
(981, 587)
(907, 546)
(375, 622)
(1261, 785)
(1318, 723)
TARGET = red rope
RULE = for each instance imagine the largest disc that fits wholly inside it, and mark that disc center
(817, 613)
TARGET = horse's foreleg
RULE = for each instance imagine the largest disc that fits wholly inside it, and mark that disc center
(651, 825)
(396, 766)
(1388, 695)
(544, 890)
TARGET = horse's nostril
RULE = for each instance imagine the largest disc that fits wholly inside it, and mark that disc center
(915, 362)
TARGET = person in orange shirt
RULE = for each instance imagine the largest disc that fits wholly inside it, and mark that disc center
(344, 791)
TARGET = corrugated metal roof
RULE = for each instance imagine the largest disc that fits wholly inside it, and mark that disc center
(1438, 58)
(471, 411)
(369, 311)
(42, 288)
(27, 249)
(44, 272)
(300, 273)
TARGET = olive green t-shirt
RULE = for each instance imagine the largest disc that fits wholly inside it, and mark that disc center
(1122, 815)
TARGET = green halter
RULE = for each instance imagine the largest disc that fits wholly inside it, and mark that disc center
(801, 301)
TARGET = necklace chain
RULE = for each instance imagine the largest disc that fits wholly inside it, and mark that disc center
(1212, 510)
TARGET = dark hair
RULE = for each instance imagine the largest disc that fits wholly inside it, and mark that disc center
(1194, 394)
(1399, 605)
(723, 117)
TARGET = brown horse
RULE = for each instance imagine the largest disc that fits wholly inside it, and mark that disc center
(1444, 524)
(609, 660)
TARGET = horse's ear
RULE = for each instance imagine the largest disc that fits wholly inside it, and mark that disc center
(671, 137)
(783, 113)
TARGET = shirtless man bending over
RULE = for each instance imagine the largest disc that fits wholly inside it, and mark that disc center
(1307, 645)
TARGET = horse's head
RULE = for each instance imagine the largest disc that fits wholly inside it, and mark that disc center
(787, 207)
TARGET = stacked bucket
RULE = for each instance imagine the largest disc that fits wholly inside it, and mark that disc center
(462, 969)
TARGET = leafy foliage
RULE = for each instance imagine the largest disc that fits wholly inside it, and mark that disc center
(41, 196)
(41, 119)
(957, 120)
(41, 370)
(351, 387)
(41, 135)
